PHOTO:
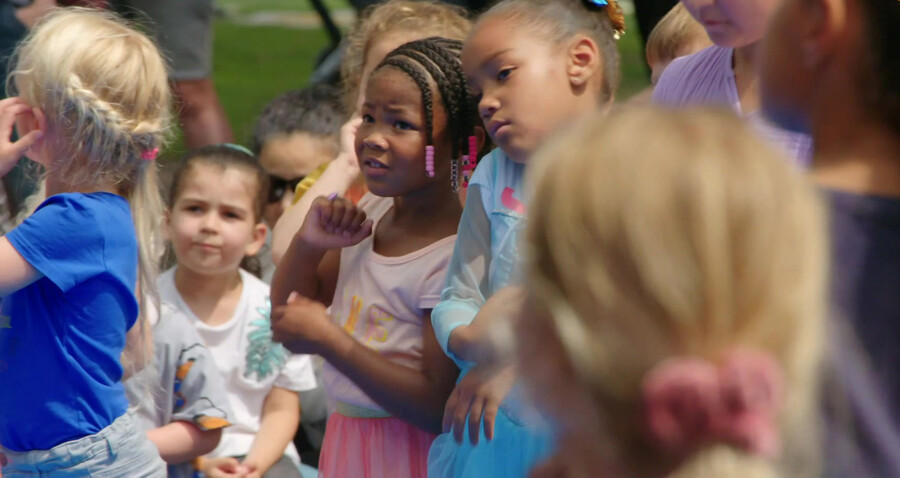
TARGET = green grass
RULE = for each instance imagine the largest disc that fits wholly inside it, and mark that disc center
(634, 72)
(253, 64)
(250, 6)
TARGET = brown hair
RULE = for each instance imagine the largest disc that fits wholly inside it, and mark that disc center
(225, 156)
(674, 34)
(562, 19)
(880, 81)
(429, 18)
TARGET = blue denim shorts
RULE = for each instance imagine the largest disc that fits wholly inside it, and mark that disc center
(118, 450)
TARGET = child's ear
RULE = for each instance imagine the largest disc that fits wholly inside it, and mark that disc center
(583, 60)
(31, 121)
(259, 239)
(825, 25)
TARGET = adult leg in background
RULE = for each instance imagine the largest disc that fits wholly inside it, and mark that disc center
(183, 30)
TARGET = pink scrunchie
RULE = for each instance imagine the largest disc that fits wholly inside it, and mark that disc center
(692, 402)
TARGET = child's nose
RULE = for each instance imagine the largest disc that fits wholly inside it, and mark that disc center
(210, 222)
(376, 140)
(488, 106)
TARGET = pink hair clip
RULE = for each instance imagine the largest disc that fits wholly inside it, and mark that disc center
(150, 154)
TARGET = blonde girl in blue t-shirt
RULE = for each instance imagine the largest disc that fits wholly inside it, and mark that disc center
(91, 103)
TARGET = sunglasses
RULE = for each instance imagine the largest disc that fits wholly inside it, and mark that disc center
(278, 187)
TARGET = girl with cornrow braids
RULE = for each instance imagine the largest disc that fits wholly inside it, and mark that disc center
(536, 66)
(92, 107)
(382, 28)
(380, 267)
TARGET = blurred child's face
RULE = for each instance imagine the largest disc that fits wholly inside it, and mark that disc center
(211, 225)
(521, 78)
(732, 23)
(390, 144)
(784, 83)
(377, 52)
(288, 159)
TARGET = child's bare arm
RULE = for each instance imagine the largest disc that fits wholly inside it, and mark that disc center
(416, 396)
(337, 178)
(15, 271)
(181, 441)
(35, 124)
(280, 419)
(311, 264)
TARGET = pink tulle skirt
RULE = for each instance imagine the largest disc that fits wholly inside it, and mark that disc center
(373, 448)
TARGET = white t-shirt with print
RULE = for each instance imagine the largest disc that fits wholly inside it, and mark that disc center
(248, 360)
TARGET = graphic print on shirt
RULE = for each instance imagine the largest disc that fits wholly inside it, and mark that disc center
(509, 201)
(264, 357)
(186, 360)
(376, 321)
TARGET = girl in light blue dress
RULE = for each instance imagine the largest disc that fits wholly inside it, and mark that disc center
(536, 66)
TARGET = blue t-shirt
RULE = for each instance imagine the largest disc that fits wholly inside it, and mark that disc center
(865, 295)
(62, 336)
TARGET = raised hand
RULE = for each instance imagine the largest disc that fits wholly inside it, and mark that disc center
(12, 151)
(334, 223)
(348, 142)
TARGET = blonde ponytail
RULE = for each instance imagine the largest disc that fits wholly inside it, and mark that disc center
(104, 90)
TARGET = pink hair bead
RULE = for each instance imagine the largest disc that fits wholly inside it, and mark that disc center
(469, 161)
(429, 160)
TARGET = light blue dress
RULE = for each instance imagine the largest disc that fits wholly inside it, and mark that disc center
(484, 261)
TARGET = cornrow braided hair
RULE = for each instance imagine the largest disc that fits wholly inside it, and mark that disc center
(439, 59)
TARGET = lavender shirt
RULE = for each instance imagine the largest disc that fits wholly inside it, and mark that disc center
(707, 78)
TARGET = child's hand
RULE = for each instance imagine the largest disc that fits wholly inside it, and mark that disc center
(348, 142)
(11, 152)
(477, 395)
(334, 223)
(251, 469)
(224, 467)
(303, 326)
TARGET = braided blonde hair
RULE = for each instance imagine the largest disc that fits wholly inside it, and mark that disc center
(104, 90)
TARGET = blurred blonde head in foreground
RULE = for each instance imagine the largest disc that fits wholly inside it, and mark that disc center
(676, 269)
